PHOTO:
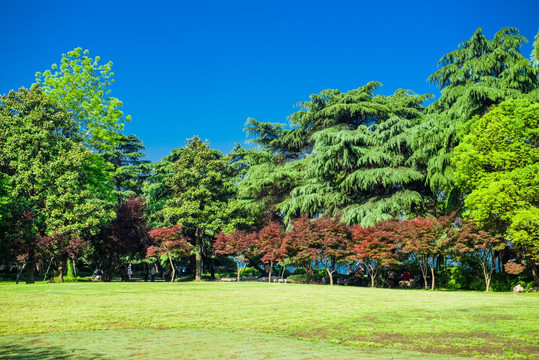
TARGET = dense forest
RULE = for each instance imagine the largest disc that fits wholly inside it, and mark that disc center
(355, 185)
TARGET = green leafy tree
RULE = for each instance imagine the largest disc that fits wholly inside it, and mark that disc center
(497, 166)
(80, 85)
(202, 187)
(57, 188)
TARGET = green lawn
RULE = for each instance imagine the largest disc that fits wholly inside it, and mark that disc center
(261, 321)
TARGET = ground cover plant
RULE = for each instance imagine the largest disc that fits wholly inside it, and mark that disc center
(260, 320)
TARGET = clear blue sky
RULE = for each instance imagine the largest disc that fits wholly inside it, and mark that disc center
(202, 67)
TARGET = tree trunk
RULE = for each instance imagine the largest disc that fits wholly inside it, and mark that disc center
(172, 266)
(424, 271)
(60, 271)
(239, 270)
(271, 269)
(30, 266)
(433, 278)
(330, 274)
(309, 272)
(19, 272)
(535, 271)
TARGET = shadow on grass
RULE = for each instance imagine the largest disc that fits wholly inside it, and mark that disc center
(39, 350)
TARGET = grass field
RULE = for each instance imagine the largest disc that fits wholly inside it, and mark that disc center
(261, 321)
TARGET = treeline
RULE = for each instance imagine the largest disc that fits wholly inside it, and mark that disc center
(353, 178)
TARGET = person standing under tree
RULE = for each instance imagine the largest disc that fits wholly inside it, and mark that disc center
(152, 273)
(129, 273)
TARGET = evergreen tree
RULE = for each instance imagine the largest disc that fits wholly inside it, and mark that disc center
(364, 173)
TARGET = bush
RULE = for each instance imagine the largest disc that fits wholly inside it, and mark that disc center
(454, 278)
(76, 279)
(302, 278)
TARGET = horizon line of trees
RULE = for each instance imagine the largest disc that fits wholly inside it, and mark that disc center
(353, 177)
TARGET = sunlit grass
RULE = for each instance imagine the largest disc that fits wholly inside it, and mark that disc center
(345, 321)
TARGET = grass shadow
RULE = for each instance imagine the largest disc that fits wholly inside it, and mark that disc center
(38, 349)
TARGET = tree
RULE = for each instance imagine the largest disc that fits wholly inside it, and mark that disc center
(478, 75)
(422, 240)
(535, 52)
(377, 246)
(269, 243)
(81, 86)
(171, 243)
(129, 170)
(482, 73)
(471, 241)
(202, 189)
(497, 165)
(365, 173)
(300, 244)
(236, 244)
(57, 189)
(126, 236)
(326, 241)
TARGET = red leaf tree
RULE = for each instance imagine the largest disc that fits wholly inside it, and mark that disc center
(269, 244)
(471, 241)
(421, 242)
(171, 242)
(377, 247)
(59, 247)
(324, 240)
(236, 244)
(298, 243)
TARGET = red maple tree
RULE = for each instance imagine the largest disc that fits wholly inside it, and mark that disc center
(171, 242)
(377, 247)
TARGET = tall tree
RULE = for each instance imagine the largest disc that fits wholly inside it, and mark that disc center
(365, 173)
(478, 75)
(80, 85)
(497, 165)
(202, 188)
(58, 188)
(129, 170)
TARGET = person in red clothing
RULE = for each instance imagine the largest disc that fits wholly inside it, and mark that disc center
(406, 276)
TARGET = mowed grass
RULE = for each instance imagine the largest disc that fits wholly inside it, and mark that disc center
(213, 320)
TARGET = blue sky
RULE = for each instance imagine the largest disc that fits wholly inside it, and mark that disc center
(202, 68)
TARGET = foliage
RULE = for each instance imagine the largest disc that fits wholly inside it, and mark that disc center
(57, 188)
(481, 73)
(238, 244)
(377, 247)
(170, 242)
(362, 170)
(130, 171)
(497, 164)
(126, 236)
(81, 86)
(269, 244)
(478, 75)
(472, 241)
(201, 187)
